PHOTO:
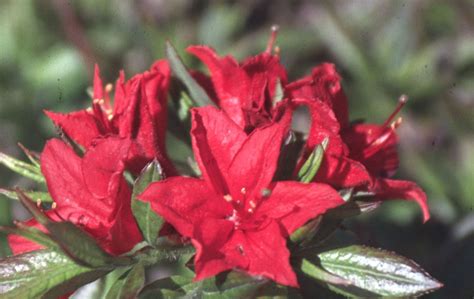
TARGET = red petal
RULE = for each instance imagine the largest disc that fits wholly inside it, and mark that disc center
(80, 126)
(268, 256)
(256, 161)
(103, 165)
(342, 172)
(374, 146)
(293, 203)
(323, 125)
(20, 245)
(396, 189)
(209, 236)
(98, 86)
(225, 72)
(216, 140)
(324, 85)
(184, 201)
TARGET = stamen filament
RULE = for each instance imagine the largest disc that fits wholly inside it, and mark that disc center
(401, 102)
(271, 40)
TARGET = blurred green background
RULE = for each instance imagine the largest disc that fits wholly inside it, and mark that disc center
(383, 49)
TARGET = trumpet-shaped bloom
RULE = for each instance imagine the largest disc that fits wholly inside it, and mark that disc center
(89, 192)
(235, 215)
(138, 113)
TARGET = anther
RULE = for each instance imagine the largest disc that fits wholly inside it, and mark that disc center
(243, 190)
(108, 87)
(228, 197)
(250, 210)
(396, 123)
(252, 204)
(110, 116)
(89, 109)
(402, 100)
(54, 205)
(38, 202)
(271, 40)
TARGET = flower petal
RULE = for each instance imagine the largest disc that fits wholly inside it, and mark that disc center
(342, 172)
(293, 203)
(254, 165)
(184, 201)
(268, 255)
(209, 237)
(225, 72)
(216, 139)
(80, 126)
(396, 189)
(323, 84)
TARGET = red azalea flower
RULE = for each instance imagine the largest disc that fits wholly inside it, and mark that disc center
(235, 216)
(244, 91)
(138, 113)
(89, 192)
(371, 153)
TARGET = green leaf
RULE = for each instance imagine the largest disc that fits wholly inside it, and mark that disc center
(377, 271)
(32, 234)
(38, 195)
(311, 165)
(42, 273)
(76, 243)
(307, 231)
(165, 251)
(129, 284)
(279, 93)
(27, 170)
(198, 94)
(148, 221)
(225, 285)
(81, 247)
(32, 156)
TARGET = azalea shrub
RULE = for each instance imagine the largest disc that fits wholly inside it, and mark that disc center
(256, 211)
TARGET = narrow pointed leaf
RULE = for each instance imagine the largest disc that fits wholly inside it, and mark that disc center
(32, 156)
(310, 168)
(226, 285)
(279, 93)
(35, 274)
(378, 271)
(148, 221)
(38, 195)
(78, 245)
(32, 234)
(129, 284)
(198, 94)
(24, 169)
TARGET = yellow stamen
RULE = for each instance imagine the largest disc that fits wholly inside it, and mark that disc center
(228, 197)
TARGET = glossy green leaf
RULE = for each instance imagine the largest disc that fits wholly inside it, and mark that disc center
(148, 221)
(311, 165)
(38, 195)
(377, 271)
(40, 273)
(129, 284)
(25, 169)
(198, 94)
(76, 243)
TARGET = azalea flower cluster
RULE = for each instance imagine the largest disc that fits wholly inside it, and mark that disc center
(240, 210)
